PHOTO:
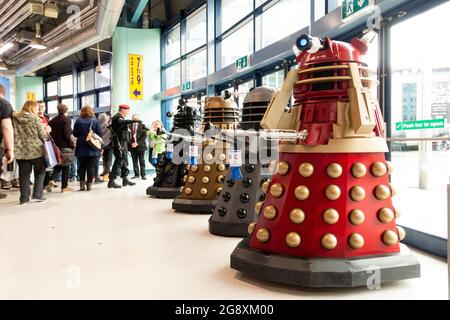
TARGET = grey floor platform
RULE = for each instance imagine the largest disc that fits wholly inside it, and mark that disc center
(119, 244)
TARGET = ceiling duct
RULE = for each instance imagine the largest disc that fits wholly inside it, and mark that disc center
(108, 15)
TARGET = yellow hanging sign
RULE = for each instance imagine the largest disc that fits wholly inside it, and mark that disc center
(31, 96)
(136, 74)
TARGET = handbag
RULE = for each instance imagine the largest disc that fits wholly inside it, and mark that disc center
(69, 156)
(94, 140)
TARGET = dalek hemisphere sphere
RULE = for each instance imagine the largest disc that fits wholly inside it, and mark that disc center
(255, 106)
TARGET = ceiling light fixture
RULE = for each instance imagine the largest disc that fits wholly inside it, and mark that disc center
(38, 43)
(3, 65)
(5, 47)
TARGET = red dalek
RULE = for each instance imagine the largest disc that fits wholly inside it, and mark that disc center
(328, 219)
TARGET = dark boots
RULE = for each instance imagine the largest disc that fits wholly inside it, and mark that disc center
(82, 185)
(113, 185)
(127, 182)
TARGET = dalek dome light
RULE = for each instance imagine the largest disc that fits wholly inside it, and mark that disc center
(329, 51)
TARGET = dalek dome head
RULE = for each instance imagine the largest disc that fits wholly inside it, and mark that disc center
(313, 51)
(222, 113)
(255, 106)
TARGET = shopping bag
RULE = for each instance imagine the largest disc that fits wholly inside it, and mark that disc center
(50, 155)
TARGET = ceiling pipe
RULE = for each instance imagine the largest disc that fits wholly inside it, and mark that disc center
(107, 18)
(60, 31)
(6, 6)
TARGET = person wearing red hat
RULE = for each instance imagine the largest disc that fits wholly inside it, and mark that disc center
(121, 137)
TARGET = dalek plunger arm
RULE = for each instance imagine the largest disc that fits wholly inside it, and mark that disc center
(276, 116)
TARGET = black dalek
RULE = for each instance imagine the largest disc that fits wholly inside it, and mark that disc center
(169, 176)
(235, 209)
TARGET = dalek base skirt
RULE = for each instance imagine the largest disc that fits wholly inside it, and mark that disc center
(163, 193)
(325, 273)
(202, 188)
(193, 206)
(227, 229)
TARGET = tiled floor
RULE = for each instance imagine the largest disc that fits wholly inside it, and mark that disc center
(121, 244)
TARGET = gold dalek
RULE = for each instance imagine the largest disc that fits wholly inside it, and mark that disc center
(208, 170)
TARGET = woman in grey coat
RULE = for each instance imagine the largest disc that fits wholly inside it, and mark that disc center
(105, 122)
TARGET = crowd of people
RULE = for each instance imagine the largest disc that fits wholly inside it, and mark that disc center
(27, 136)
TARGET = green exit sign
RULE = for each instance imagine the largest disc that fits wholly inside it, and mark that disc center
(351, 8)
(187, 86)
(420, 125)
(242, 63)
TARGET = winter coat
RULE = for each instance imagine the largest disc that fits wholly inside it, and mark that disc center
(80, 131)
(29, 136)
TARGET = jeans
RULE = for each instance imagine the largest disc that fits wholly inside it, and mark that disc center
(64, 171)
(25, 167)
(120, 163)
(87, 167)
(73, 170)
(138, 157)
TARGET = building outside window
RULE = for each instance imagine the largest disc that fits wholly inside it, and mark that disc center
(66, 83)
(173, 76)
(196, 30)
(237, 45)
(86, 80)
(243, 90)
(232, 11)
(296, 15)
(52, 89)
(103, 79)
(274, 79)
(172, 45)
(52, 107)
(195, 66)
(420, 91)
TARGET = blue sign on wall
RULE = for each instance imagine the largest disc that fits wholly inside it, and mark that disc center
(6, 84)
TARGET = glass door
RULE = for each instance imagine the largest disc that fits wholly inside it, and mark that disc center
(420, 113)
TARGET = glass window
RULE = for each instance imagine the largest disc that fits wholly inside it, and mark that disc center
(237, 45)
(319, 9)
(296, 15)
(243, 90)
(104, 99)
(274, 80)
(68, 103)
(87, 80)
(173, 76)
(233, 11)
(66, 85)
(88, 100)
(52, 107)
(169, 106)
(333, 4)
(196, 30)
(52, 89)
(172, 45)
(103, 79)
(195, 66)
(420, 91)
